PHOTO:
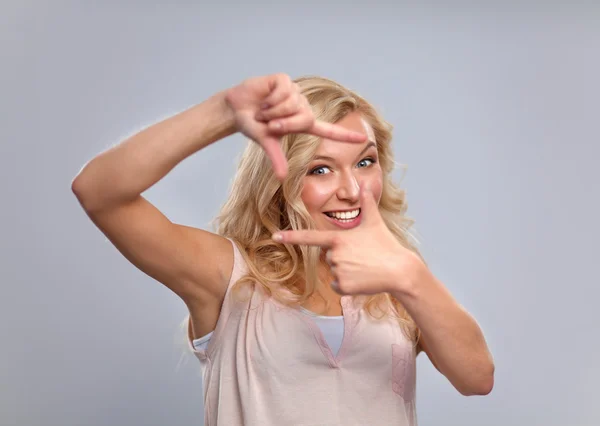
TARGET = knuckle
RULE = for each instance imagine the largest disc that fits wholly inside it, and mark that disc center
(284, 80)
(266, 116)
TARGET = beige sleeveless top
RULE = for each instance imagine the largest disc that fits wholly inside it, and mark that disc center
(268, 364)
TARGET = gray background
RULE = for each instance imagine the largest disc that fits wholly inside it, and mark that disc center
(495, 108)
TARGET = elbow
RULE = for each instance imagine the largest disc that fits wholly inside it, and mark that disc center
(78, 183)
(480, 381)
(481, 389)
(76, 186)
(83, 183)
(83, 194)
(79, 191)
(482, 386)
(487, 389)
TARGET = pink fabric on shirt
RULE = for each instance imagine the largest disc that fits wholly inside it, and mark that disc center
(268, 364)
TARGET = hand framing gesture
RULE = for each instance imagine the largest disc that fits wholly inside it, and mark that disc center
(266, 108)
(367, 259)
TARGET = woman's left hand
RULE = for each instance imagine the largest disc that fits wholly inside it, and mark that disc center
(367, 259)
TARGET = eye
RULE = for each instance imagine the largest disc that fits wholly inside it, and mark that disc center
(320, 170)
(362, 162)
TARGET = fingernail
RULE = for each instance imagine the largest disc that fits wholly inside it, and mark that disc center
(264, 105)
(276, 125)
(277, 237)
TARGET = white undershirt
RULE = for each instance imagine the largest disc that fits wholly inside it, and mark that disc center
(331, 327)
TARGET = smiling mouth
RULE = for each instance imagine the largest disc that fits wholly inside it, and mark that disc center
(347, 216)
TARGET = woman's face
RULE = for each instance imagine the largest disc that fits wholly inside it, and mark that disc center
(331, 189)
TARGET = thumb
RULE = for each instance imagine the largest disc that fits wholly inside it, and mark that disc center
(369, 206)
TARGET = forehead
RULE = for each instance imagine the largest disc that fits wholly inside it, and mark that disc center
(353, 121)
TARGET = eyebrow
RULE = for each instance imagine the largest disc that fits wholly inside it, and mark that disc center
(323, 157)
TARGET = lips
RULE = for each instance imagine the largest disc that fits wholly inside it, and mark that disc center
(343, 214)
(344, 223)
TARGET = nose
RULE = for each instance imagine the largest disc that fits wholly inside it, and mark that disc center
(348, 189)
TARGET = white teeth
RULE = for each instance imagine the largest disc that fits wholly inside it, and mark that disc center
(344, 215)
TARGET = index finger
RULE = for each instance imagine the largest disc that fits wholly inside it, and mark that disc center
(310, 238)
(336, 132)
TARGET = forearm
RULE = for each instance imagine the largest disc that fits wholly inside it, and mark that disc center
(453, 339)
(124, 171)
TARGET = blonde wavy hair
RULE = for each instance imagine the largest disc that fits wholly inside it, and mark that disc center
(260, 205)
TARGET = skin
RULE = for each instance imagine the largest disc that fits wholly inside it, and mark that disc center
(367, 259)
(193, 263)
(333, 184)
(196, 264)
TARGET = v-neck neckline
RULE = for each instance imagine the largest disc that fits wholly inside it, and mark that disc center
(349, 314)
(315, 315)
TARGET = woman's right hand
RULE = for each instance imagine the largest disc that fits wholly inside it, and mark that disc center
(266, 108)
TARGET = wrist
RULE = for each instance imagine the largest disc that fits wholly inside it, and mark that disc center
(209, 122)
(408, 272)
(224, 116)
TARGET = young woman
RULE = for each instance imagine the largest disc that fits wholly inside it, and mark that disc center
(310, 303)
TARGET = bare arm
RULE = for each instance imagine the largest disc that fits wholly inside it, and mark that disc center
(123, 172)
(368, 259)
(193, 263)
(451, 337)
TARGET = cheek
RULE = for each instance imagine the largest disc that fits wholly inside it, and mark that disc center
(376, 184)
(315, 196)
(377, 189)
